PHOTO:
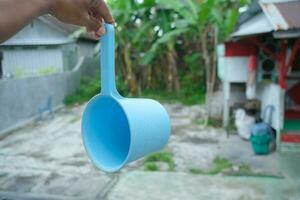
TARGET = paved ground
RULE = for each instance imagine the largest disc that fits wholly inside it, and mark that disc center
(46, 160)
(178, 186)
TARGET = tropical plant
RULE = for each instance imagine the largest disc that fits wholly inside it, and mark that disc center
(207, 23)
(170, 45)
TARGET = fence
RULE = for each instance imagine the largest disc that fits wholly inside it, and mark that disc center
(21, 98)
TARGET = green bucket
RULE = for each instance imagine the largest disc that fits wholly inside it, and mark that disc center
(260, 143)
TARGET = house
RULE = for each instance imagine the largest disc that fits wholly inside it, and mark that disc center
(43, 47)
(263, 57)
(39, 67)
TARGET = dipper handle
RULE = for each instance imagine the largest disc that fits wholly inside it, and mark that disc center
(107, 62)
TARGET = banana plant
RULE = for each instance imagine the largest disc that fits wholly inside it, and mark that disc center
(150, 33)
(128, 15)
(210, 21)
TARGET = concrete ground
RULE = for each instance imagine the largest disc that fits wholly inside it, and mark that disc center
(46, 160)
(178, 186)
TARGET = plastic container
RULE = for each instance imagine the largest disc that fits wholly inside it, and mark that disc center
(118, 130)
(262, 134)
(260, 143)
(243, 123)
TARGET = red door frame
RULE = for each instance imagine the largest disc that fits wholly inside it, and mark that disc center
(283, 67)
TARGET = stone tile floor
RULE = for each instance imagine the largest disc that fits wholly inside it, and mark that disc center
(46, 159)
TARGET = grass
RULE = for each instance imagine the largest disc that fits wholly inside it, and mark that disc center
(218, 123)
(212, 122)
(151, 162)
(151, 166)
(231, 128)
(222, 165)
(245, 169)
(89, 87)
(196, 171)
(175, 97)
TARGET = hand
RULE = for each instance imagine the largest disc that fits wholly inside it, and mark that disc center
(88, 13)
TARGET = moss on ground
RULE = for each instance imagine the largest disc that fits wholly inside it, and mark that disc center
(151, 163)
(224, 166)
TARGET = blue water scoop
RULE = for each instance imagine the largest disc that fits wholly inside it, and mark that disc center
(118, 130)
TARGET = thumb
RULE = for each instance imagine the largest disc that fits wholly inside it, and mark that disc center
(91, 23)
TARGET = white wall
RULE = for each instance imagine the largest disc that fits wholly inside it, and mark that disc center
(271, 94)
(233, 69)
(236, 69)
(86, 48)
(32, 62)
(20, 99)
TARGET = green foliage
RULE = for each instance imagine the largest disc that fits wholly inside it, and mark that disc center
(204, 13)
(244, 169)
(192, 85)
(183, 96)
(88, 88)
(192, 77)
(151, 166)
(212, 122)
(166, 157)
(196, 171)
(220, 164)
(156, 32)
(216, 123)
(122, 87)
(188, 9)
(159, 39)
(231, 128)
(151, 54)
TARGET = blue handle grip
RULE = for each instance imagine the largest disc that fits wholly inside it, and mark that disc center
(107, 61)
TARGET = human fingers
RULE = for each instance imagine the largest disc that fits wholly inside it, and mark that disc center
(101, 30)
(100, 9)
(91, 24)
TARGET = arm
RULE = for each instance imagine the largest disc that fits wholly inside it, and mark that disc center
(15, 14)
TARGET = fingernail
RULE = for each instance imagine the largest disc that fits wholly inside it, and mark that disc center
(97, 37)
(101, 31)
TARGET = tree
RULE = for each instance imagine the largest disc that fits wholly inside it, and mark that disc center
(155, 38)
(211, 21)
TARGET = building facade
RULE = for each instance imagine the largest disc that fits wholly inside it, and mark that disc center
(263, 54)
(43, 47)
